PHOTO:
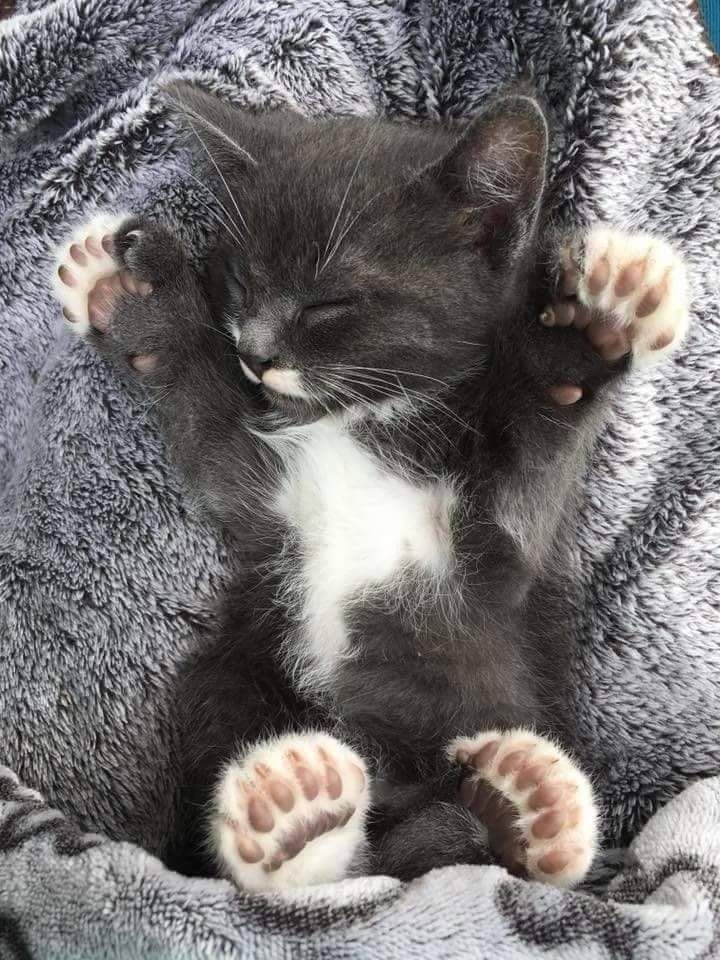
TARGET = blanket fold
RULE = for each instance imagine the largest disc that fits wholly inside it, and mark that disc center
(117, 901)
(108, 574)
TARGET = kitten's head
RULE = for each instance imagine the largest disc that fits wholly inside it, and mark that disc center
(362, 261)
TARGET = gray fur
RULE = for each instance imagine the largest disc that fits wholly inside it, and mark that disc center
(92, 627)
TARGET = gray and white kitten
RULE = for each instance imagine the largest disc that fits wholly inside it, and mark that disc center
(385, 387)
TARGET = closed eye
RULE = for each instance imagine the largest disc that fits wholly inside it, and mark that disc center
(330, 310)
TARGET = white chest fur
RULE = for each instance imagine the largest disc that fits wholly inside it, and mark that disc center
(359, 527)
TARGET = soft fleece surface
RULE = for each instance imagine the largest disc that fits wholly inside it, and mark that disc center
(107, 576)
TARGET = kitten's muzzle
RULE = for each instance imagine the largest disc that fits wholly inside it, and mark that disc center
(277, 379)
(254, 367)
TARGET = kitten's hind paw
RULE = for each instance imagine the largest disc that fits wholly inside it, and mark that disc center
(537, 805)
(291, 812)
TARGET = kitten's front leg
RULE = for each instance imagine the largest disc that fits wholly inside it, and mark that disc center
(128, 289)
(628, 295)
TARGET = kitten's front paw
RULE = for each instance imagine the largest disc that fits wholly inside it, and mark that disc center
(93, 277)
(627, 291)
(84, 264)
(291, 813)
(537, 805)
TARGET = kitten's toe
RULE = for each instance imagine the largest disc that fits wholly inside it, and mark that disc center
(145, 362)
(150, 252)
(291, 813)
(537, 805)
(565, 394)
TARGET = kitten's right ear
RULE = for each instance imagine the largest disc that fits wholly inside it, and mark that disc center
(495, 175)
(214, 123)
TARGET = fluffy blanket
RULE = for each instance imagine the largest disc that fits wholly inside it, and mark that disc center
(107, 575)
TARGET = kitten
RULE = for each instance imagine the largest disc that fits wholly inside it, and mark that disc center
(394, 438)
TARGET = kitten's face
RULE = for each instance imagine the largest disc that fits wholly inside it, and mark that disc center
(367, 261)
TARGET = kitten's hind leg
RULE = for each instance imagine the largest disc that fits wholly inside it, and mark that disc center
(291, 812)
(537, 805)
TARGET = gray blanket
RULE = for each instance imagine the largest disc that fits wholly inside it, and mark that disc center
(107, 574)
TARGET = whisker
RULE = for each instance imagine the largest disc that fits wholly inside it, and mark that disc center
(189, 112)
(362, 153)
(235, 232)
(430, 399)
(334, 393)
(163, 392)
(433, 401)
(407, 373)
(220, 173)
(317, 259)
(220, 331)
(339, 389)
(558, 423)
(336, 384)
(348, 226)
(388, 388)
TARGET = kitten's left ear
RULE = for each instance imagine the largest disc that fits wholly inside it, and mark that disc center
(496, 174)
(219, 128)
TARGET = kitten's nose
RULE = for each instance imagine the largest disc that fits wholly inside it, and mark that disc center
(255, 367)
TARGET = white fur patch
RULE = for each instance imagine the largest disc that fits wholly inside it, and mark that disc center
(279, 380)
(286, 382)
(359, 526)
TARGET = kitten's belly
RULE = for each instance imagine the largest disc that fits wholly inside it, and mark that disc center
(359, 527)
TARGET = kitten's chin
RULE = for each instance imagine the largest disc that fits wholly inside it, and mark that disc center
(283, 391)
(292, 409)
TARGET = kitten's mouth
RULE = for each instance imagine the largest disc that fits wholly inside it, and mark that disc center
(282, 381)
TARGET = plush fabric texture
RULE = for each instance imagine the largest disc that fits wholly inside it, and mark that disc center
(108, 574)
